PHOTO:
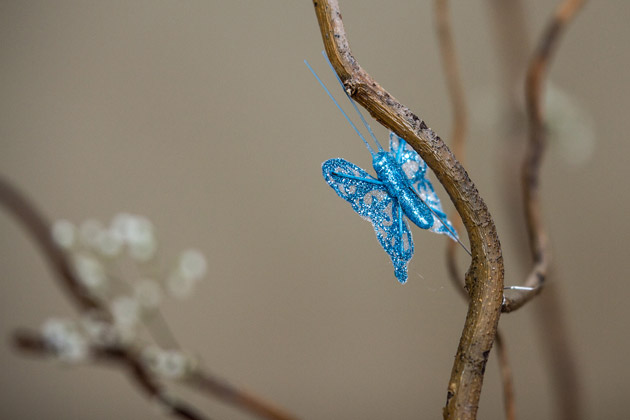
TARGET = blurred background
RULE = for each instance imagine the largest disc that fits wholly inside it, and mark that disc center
(202, 117)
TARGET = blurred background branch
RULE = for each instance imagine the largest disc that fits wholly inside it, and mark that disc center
(512, 41)
(122, 347)
(534, 94)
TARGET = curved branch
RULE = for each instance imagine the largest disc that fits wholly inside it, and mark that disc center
(506, 378)
(453, 78)
(37, 225)
(511, 36)
(560, 355)
(484, 280)
(534, 90)
(458, 137)
(39, 228)
(207, 383)
(32, 342)
(455, 88)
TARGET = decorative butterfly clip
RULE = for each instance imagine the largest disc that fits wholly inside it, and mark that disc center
(400, 189)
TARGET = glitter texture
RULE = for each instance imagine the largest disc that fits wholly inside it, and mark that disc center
(408, 158)
(385, 200)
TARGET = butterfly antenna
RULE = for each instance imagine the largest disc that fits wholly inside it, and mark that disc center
(354, 104)
(451, 231)
(339, 107)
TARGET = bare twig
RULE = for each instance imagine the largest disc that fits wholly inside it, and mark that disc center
(510, 25)
(512, 39)
(32, 342)
(484, 280)
(226, 392)
(560, 355)
(453, 78)
(39, 228)
(506, 378)
(513, 46)
(460, 121)
(534, 90)
(37, 225)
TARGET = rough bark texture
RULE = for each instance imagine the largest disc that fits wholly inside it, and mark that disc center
(484, 279)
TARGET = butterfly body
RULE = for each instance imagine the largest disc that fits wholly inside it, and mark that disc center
(397, 184)
(400, 190)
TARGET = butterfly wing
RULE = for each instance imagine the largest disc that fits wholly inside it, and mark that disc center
(416, 171)
(370, 199)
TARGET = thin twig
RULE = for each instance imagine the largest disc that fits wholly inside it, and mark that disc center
(457, 97)
(506, 378)
(39, 228)
(534, 91)
(512, 43)
(484, 280)
(513, 47)
(560, 355)
(226, 392)
(453, 78)
(32, 342)
(511, 36)
(455, 88)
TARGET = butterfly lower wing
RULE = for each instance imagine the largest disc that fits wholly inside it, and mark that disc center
(402, 244)
(370, 199)
(416, 171)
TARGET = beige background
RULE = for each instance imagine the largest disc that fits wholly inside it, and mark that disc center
(202, 116)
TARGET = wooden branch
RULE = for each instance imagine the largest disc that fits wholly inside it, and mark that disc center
(512, 42)
(446, 45)
(559, 353)
(37, 225)
(506, 378)
(39, 228)
(32, 342)
(454, 83)
(455, 88)
(534, 90)
(484, 280)
(512, 45)
(210, 384)
(457, 97)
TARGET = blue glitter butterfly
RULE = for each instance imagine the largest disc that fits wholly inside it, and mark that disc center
(400, 189)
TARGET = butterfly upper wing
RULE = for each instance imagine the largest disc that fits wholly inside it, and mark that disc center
(416, 171)
(370, 199)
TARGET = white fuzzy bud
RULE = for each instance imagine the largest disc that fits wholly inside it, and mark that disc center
(64, 233)
(137, 233)
(171, 364)
(90, 272)
(97, 330)
(65, 340)
(126, 311)
(192, 264)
